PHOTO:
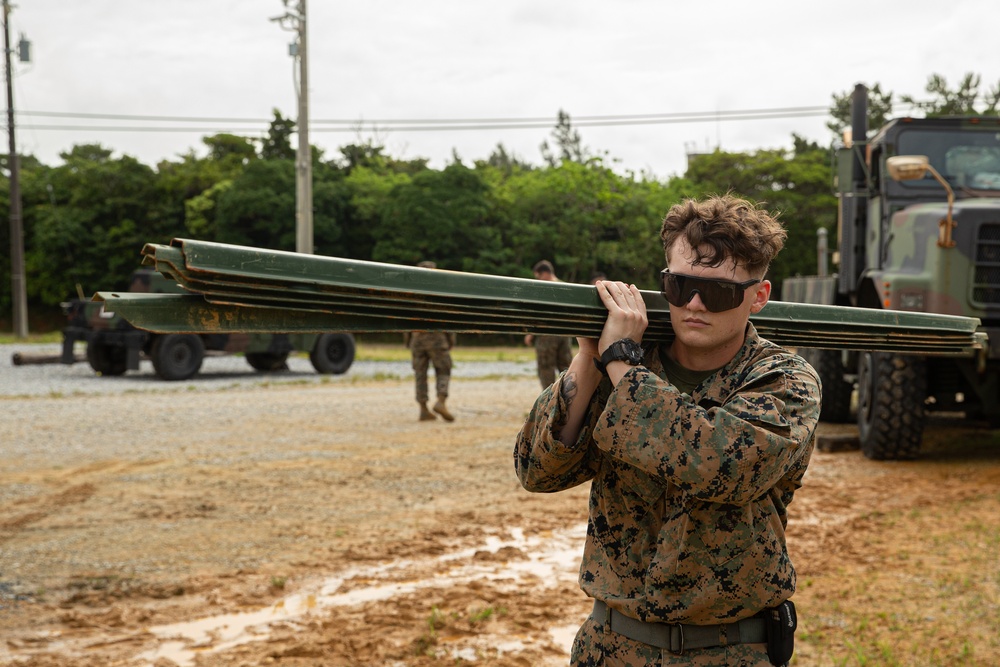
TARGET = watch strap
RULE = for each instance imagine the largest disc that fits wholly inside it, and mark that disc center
(615, 352)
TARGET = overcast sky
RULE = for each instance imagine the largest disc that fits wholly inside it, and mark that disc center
(468, 59)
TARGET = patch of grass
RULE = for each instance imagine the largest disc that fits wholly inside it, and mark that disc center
(377, 377)
(51, 337)
(278, 583)
(486, 613)
(924, 596)
(425, 644)
(384, 352)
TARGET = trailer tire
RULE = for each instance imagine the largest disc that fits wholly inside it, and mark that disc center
(110, 360)
(268, 362)
(333, 353)
(892, 389)
(836, 405)
(177, 356)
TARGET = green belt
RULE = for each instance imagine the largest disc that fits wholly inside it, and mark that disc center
(678, 637)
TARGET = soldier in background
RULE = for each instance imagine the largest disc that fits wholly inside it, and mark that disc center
(552, 353)
(431, 348)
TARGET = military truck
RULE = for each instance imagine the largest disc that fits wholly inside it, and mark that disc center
(919, 230)
(114, 346)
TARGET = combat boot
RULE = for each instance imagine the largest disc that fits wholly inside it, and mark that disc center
(440, 408)
(425, 414)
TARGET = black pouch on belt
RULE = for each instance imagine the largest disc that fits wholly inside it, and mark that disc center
(781, 623)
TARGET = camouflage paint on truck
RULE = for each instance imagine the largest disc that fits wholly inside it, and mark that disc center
(919, 275)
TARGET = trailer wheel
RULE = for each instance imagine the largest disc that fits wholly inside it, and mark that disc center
(333, 353)
(836, 405)
(177, 356)
(106, 359)
(267, 361)
(891, 393)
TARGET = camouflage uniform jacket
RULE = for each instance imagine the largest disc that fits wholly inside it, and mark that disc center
(689, 493)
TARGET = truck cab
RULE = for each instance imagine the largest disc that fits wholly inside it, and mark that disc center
(919, 230)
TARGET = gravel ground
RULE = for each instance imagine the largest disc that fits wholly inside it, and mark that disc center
(299, 520)
(217, 372)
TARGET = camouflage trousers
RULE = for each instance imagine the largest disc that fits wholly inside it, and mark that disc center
(596, 646)
(430, 353)
(554, 354)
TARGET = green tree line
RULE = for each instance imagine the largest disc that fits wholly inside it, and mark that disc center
(87, 219)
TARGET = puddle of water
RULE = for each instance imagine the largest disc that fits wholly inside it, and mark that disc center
(551, 557)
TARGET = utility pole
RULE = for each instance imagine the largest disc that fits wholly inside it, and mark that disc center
(18, 287)
(295, 19)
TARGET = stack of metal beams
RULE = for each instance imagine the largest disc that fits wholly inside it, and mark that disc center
(242, 289)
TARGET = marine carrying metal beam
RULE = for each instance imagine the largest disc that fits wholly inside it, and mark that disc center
(242, 289)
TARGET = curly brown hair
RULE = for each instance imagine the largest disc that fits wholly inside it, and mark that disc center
(723, 227)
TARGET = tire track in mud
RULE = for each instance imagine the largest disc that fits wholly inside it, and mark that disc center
(46, 506)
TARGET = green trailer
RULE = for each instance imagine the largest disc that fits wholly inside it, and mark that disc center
(114, 345)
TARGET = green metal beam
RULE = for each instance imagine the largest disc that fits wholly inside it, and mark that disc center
(242, 289)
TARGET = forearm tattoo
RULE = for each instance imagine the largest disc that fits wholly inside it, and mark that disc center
(569, 388)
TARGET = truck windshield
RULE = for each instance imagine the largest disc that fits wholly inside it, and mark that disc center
(966, 157)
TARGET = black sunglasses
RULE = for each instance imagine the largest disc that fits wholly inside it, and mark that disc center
(717, 295)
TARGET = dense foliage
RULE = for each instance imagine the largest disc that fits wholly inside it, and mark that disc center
(86, 220)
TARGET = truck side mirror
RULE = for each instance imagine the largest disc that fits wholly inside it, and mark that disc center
(912, 167)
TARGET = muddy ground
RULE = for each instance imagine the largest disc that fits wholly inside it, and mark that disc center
(322, 524)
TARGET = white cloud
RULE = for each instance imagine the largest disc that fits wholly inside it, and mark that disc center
(470, 59)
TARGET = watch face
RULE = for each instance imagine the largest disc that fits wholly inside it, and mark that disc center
(633, 352)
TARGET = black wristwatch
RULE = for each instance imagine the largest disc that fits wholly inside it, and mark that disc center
(626, 350)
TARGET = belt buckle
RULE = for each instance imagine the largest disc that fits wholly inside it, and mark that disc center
(677, 639)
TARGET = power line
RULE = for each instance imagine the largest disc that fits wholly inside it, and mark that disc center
(112, 128)
(427, 124)
(431, 121)
(582, 123)
(422, 124)
(115, 116)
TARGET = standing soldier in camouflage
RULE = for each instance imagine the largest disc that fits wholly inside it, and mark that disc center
(552, 353)
(431, 348)
(693, 447)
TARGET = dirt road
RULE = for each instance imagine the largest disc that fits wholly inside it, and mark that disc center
(321, 524)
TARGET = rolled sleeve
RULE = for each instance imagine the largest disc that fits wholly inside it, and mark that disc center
(542, 462)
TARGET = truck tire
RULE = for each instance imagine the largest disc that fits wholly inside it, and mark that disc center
(177, 356)
(267, 361)
(836, 406)
(106, 359)
(891, 393)
(333, 353)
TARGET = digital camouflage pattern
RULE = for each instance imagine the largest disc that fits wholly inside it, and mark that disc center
(689, 492)
(554, 354)
(431, 348)
(597, 646)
